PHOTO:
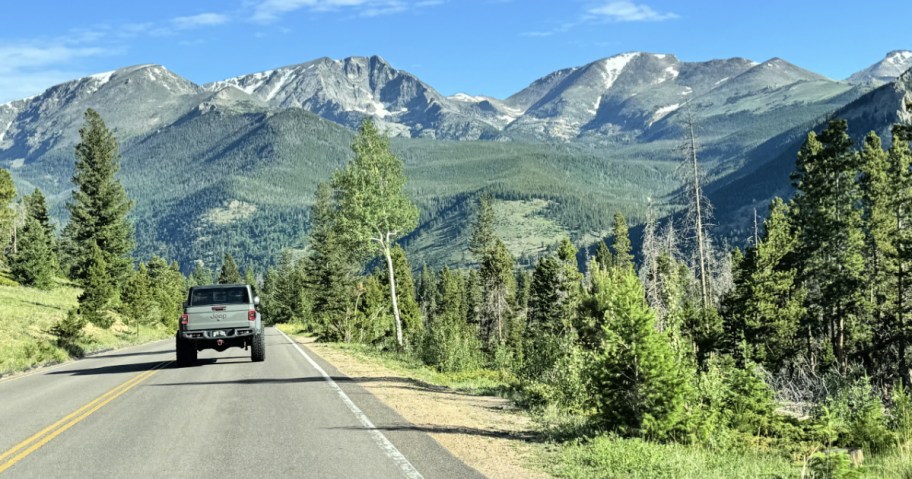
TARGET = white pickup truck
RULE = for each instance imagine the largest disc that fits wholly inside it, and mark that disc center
(219, 317)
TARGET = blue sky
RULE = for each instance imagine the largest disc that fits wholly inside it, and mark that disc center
(491, 47)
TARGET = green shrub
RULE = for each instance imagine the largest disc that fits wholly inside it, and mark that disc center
(854, 416)
(832, 465)
(564, 387)
(451, 346)
(901, 415)
(69, 333)
(729, 402)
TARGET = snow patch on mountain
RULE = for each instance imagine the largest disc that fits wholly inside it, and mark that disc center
(899, 57)
(663, 112)
(4, 130)
(612, 67)
(463, 97)
(102, 78)
(281, 83)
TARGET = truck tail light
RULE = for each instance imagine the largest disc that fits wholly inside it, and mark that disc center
(251, 315)
(185, 318)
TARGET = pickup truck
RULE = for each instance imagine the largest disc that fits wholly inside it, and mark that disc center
(219, 317)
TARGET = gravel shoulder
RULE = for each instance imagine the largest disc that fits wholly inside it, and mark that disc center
(487, 433)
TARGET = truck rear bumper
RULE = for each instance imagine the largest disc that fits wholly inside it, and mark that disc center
(215, 334)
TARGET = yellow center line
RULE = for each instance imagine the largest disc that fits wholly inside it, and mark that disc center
(47, 434)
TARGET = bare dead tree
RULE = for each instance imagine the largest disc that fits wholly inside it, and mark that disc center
(649, 273)
(698, 209)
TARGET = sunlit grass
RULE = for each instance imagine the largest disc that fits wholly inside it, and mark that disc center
(27, 314)
(479, 381)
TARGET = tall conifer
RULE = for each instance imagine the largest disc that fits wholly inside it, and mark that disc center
(831, 242)
(229, 274)
(34, 262)
(99, 207)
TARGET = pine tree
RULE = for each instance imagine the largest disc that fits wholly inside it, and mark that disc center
(168, 288)
(831, 242)
(34, 263)
(250, 278)
(373, 208)
(550, 315)
(427, 292)
(99, 207)
(408, 304)
(288, 297)
(136, 300)
(7, 195)
(898, 256)
(764, 311)
(373, 324)
(229, 273)
(97, 290)
(603, 255)
(878, 189)
(473, 297)
(201, 275)
(622, 257)
(482, 241)
(36, 207)
(638, 385)
(328, 270)
(499, 294)
(450, 343)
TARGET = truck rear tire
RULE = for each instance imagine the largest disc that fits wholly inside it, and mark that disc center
(258, 348)
(186, 352)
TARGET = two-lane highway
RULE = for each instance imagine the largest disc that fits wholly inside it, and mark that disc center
(132, 413)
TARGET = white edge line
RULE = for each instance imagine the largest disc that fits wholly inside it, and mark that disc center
(407, 468)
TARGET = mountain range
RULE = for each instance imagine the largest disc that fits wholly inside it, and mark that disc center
(222, 166)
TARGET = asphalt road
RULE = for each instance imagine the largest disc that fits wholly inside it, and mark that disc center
(133, 413)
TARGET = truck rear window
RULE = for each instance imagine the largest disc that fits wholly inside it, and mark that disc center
(206, 297)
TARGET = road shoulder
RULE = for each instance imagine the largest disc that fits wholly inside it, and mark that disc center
(486, 433)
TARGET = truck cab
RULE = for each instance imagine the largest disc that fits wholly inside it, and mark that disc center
(220, 316)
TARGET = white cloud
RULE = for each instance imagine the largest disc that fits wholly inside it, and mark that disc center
(268, 11)
(614, 11)
(201, 20)
(27, 68)
(624, 11)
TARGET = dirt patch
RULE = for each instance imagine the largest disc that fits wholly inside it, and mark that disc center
(487, 433)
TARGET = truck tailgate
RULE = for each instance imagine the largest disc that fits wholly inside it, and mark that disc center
(217, 316)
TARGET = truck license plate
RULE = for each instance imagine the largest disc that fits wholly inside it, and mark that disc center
(218, 333)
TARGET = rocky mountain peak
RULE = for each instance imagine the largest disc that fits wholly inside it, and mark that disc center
(885, 71)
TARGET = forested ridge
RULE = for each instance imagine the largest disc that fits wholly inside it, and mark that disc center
(789, 354)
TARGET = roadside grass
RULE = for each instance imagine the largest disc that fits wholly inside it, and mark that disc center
(27, 314)
(613, 457)
(479, 382)
(896, 463)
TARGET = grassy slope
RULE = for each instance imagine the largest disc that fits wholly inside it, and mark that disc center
(27, 314)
